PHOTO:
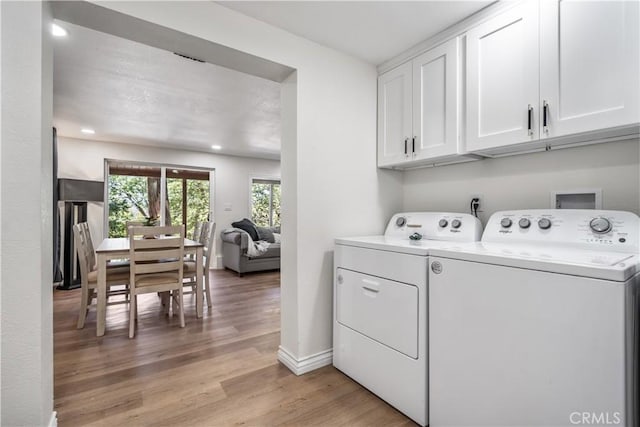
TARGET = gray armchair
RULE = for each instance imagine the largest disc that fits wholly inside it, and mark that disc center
(235, 253)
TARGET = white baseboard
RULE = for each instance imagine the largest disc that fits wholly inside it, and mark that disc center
(53, 422)
(307, 363)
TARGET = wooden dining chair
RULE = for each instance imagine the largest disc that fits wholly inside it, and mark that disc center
(117, 278)
(156, 266)
(195, 236)
(84, 226)
(112, 263)
(197, 231)
(190, 267)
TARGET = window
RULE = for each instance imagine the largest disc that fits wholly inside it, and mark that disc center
(135, 194)
(188, 197)
(265, 202)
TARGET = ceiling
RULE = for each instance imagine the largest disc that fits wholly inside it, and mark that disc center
(374, 31)
(133, 93)
(130, 92)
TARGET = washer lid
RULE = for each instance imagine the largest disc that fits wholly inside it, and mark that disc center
(558, 259)
(392, 244)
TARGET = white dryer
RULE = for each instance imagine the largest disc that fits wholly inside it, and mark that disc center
(380, 305)
(538, 324)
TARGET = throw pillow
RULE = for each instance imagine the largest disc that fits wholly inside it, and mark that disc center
(249, 227)
(266, 234)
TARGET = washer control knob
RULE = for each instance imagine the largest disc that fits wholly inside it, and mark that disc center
(600, 225)
(443, 223)
(524, 223)
(544, 223)
(400, 221)
(506, 222)
(456, 223)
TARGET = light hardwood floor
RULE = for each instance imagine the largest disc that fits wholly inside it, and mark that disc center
(218, 371)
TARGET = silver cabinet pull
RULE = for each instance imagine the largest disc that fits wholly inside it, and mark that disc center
(545, 114)
(530, 120)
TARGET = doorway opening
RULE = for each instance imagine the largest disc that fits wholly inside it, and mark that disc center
(245, 312)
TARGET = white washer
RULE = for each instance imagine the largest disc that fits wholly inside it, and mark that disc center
(538, 324)
(380, 305)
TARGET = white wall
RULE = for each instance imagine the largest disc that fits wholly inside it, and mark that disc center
(83, 159)
(26, 210)
(0, 222)
(526, 181)
(289, 252)
(339, 190)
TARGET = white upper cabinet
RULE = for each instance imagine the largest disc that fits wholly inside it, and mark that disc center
(589, 65)
(394, 115)
(553, 72)
(535, 75)
(502, 79)
(435, 102)
(418, 110)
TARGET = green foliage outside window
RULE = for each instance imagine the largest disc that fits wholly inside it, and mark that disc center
(129, 201)
(265, 203)
(276, 205)
(198, 202)
(174, 194)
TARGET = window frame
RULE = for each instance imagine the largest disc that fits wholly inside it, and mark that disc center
(163, 179)
(264, 180)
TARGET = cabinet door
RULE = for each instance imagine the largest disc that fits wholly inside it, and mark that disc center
(435, 102)
(394, 115)
(503, 79)
(589, 65)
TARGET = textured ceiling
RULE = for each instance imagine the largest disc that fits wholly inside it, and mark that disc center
(374, 31)
(132, 93)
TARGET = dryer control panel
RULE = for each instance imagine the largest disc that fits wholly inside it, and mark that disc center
(456, 227)
(615, 231)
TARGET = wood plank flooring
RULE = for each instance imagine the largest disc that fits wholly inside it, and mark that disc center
(218, 371)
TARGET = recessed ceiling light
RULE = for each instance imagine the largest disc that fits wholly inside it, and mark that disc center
(216, 147)
(175, 171)
(58, 31)
(88, 131)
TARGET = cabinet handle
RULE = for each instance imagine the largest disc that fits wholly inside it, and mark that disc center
(406, 141)
(545, 113)
(530, 120)
(413, 145)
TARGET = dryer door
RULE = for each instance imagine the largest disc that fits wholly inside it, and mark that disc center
(383, 310)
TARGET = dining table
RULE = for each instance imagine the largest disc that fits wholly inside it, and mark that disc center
(118, 249)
